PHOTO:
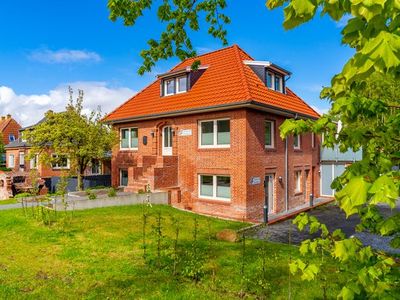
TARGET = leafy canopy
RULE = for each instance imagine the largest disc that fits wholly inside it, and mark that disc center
(179, 17)
(71, 134)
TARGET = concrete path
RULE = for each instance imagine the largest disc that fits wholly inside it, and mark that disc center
(334, 218)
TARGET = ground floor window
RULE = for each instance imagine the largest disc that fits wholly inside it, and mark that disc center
(297, 181)
(123, 177)
(215, 187)
(96, 167)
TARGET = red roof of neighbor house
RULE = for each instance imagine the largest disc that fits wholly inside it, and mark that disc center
(226, 81)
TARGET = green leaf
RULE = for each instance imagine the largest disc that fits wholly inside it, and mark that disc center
(353, 195)
(346, 249)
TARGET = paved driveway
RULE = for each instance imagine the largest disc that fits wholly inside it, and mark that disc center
(334, 218)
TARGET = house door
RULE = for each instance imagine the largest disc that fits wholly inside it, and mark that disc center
(167, 141)
(269, 195)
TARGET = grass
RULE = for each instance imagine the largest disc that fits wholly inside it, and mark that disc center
(9, 201)
(99, 256)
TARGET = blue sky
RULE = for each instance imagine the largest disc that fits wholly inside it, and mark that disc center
(48, 45)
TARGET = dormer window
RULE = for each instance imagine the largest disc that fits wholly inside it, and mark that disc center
(274, 81)
(175, 85)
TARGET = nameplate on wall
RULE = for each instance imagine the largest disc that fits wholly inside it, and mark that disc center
(185, 132)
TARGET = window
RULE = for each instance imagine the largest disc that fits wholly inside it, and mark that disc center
(274, 81)
(215, 187)
(297, 181)
(269, 79)
(60, 162)
(169, 86)
(296, 141)
(95, 167)
(129, 138)
(176, 85)
(34, 162)
(269, 134)
(278, 83)
(123, 177)
(182, 84)
(21, 159)
(215, 134)
(11, 138)
(11, 161)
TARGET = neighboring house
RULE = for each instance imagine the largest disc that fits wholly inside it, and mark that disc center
(18, 159)
(210, 137)
(333, 164)
(9, 130)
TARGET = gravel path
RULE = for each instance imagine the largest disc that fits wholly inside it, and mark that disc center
(334, 218)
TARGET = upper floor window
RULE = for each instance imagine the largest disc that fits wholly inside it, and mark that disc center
(215, 134)
(34, 162)
(297, 181)
(269, 134)
(11, 161)
(129, 138)
(274, 81)
(60, 162)
(296, 141)
(11, 138)
(175, 85)
(21, 159)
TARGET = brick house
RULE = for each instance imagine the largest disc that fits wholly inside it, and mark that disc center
(9, 130)
(18, 160)
(210, 137)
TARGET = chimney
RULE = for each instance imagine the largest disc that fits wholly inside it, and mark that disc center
(8, 116)
(3, 118)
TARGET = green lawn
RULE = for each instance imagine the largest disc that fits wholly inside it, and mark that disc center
(99, 256)
(9, 201)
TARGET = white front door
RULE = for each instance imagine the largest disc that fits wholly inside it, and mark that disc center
(269, 192)
(167, 141)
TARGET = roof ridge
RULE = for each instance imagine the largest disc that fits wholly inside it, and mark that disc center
(242, 72)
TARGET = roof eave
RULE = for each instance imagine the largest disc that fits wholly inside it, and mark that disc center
(242, 104)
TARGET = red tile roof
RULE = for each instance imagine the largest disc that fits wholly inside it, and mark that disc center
(227, 81)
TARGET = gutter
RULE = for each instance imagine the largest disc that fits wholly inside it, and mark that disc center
(242, 104)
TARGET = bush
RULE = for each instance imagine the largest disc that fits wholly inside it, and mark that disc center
(5, 169)
(23, 195)
(91, 195)
(112, 192)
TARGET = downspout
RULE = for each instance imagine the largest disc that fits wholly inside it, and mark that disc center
(286, 176)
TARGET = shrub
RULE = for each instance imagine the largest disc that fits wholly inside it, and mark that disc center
(23, 195)
(112, 192)
(91, 195)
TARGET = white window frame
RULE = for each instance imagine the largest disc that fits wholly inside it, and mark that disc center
(298, 147)
(280, 83)
(215, 133)
(214, 197)
(100, 167)
(297, 181)
(120, 177)
(272, 146)
(273, 78)
(129, 138)
(177, 84)
(55, 166)
(166, 86)
(21, 161)
(34, 162)
(9, 164)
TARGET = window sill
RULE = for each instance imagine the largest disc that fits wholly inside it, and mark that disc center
(298, 193)
(270, 149)
(297, 150)
(215, 200)
(128, 149)
(214, 148)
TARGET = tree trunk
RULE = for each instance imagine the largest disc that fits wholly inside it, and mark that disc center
(81, 171)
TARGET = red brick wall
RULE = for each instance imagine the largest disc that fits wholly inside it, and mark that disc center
(246, 158)
(12, 128)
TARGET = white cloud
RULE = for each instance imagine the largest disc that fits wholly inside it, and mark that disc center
(28, 109)
(64, 56)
